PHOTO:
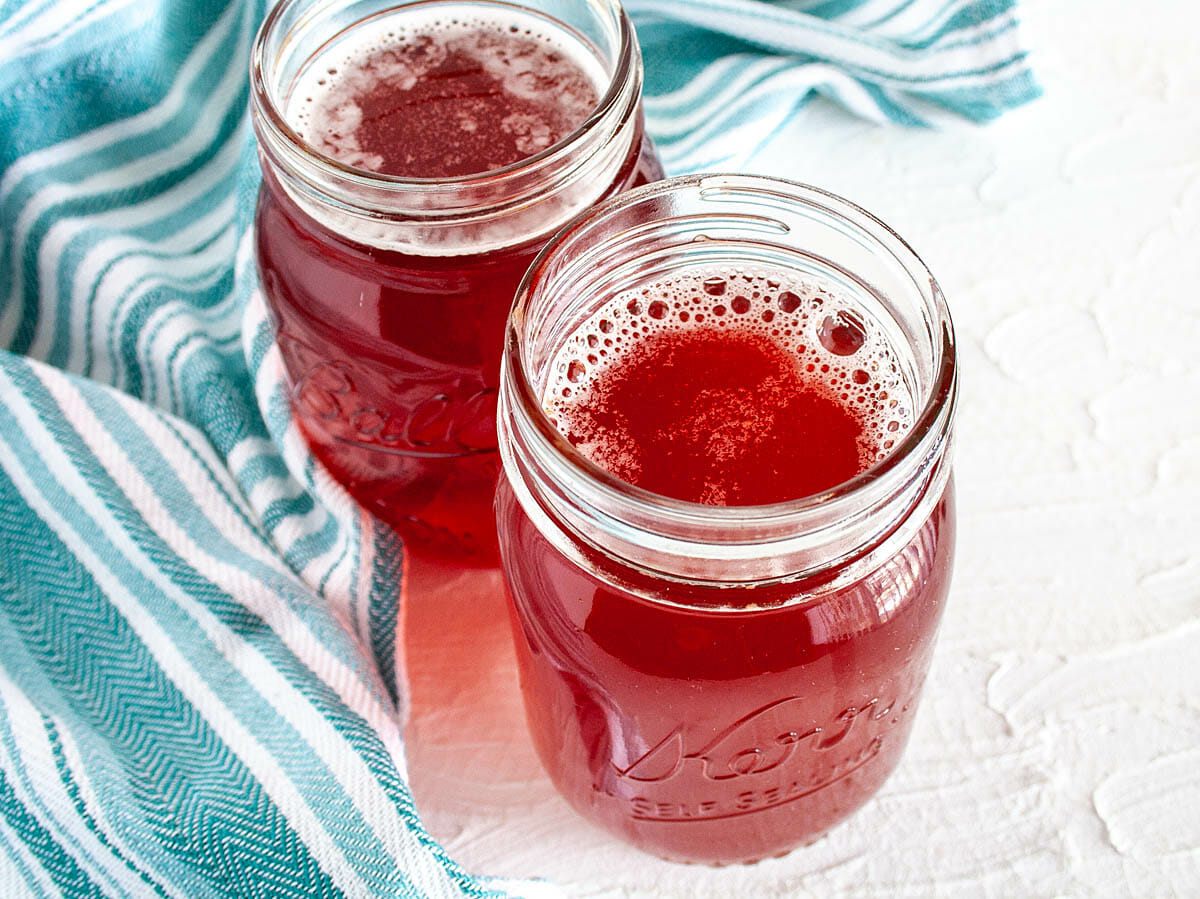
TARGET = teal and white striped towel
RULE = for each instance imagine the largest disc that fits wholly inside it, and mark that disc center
(723, 75)
(201, 689)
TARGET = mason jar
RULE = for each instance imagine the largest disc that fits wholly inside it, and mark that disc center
(723, 683)
(389, 293)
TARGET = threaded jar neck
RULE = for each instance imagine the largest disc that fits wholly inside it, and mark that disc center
(470, 214)
(710, 220)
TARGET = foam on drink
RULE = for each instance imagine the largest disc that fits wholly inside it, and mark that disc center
(735, 386)
(445, 91)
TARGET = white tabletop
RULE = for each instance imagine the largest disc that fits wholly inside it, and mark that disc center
(1057, 748)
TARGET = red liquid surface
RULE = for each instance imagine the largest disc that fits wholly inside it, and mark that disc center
(393, 357)
(720, 418)
(447, 103)
(738, 722)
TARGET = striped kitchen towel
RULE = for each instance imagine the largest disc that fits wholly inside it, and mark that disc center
(723, 75)
(201, 689)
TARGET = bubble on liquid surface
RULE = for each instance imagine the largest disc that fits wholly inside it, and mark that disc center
(808, 321)
(554, 77)
(842, 333)
(788, 301)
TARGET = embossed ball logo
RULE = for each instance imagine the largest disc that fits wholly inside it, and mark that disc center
(452, 417)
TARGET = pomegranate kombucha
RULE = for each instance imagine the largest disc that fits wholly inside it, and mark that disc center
(413, 165)
(723, 619)
(717, 725)
(442, 98)
(729, 390)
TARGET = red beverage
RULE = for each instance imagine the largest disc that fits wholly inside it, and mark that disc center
(442, 98)
(721, 640)
(413, 165)
(717, 389)
(728, 725)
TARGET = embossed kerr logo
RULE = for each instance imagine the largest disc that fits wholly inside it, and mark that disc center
(804, 759)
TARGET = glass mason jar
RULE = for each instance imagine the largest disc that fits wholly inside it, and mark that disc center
(389, 294)
(721, 684)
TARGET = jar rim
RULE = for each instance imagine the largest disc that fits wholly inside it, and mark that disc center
(923, 440)
(268, 113)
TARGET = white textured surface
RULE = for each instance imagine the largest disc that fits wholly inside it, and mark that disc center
(1057, 749)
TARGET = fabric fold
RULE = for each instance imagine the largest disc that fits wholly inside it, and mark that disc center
(722, 75)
